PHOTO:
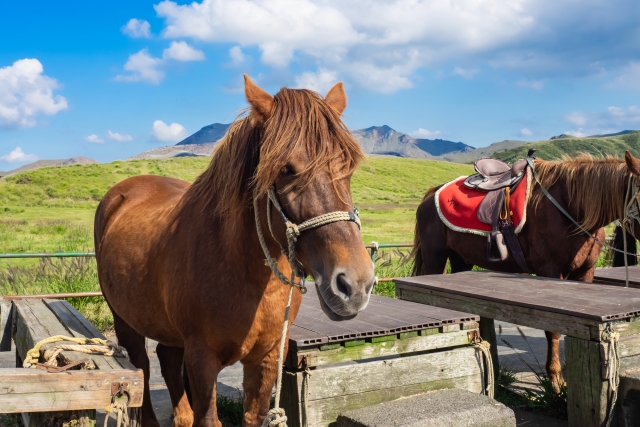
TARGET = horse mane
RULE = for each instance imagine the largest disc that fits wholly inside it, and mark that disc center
(251, 155)
(596, 186)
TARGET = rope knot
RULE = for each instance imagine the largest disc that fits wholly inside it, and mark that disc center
(292, 230)
(275, 418)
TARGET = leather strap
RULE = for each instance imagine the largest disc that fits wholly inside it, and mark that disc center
(511, 239)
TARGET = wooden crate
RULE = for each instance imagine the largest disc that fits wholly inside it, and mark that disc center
(71, 395)
(392, 349)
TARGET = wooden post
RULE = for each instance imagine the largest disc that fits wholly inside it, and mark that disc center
(6, 322)
(488, 333)
(587, 391)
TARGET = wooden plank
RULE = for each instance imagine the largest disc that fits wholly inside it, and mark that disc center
(576, 299)
(383, 317)
(616, 276)
(33, 390)
(317, 357)
(6, 322)
(586, 390)
(324, 412)
(538, 319)
(330, 381)
(80, 327)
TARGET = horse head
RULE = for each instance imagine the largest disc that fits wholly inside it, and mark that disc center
(306, 159)
(633, 164)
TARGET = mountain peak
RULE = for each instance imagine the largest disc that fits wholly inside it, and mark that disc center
(210, 133)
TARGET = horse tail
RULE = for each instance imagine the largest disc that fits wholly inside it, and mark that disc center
(416, 252)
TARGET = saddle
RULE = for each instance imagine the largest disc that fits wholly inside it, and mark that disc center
(497, 179)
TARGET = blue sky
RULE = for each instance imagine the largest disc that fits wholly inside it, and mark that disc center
(108, 80)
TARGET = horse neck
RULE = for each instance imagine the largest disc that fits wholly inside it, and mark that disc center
(606, 203)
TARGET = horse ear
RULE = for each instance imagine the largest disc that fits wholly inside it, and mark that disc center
(261, 102)
(632, 163)
(337, 98)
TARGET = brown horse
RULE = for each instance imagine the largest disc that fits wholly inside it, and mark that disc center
(591, 190)
(182, 263)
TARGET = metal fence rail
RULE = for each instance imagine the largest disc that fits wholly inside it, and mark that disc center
(373, 247)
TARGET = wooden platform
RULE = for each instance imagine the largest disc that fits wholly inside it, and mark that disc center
(392, 349)
(616, 276)
(579, 310)
(42, 393)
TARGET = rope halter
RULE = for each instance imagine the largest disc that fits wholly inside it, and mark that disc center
(293, 231)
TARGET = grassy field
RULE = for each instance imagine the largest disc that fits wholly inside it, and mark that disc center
(52, 209)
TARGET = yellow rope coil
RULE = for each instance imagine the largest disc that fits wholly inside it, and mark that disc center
(485, 348)
(122, 414)
(611, 337)
(84, 345)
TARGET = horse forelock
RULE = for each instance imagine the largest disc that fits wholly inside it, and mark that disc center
(595, 186)
(251, 155)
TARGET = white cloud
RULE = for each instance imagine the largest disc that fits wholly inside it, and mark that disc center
(181, 51)
(25, 91)
(576, 118)
(525, 132)
(93, 138)
(532, 84)
(629, 79)
(579, 133)
(320, 81)
(174, 132)
(467, 73)
(18, 156)
(146, 68)
(143, 67)
(137, 28)
(237, 57)
(119, 137)
(614, 119)
(424, 133)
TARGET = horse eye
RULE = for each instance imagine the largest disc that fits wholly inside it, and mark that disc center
(287, 170)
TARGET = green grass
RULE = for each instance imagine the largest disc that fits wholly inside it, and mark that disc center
(556, 148)
(51, 209)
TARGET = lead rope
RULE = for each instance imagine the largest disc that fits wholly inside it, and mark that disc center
(276, 416)
(485, 350)
(610, 336)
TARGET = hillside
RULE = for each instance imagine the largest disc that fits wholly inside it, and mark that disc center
(49, 163)
(52, 209)
(374, 140)
(473, 155)
(571, 146)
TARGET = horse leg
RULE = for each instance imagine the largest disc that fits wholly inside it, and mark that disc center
(257, 384)
(203, 367)
(135, 345)
(458, 264)
(171, 359)
(554, 369)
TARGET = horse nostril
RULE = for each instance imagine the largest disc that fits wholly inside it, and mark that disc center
(343, 286)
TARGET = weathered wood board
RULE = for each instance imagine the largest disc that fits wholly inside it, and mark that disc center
(579, 310)
(33, 390)
(5, 324)
(615, 276)
(333, 389)
(392, 349)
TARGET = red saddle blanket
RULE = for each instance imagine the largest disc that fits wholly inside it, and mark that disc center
(458, 206)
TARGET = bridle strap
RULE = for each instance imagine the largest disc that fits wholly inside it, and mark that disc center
(292, 233)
